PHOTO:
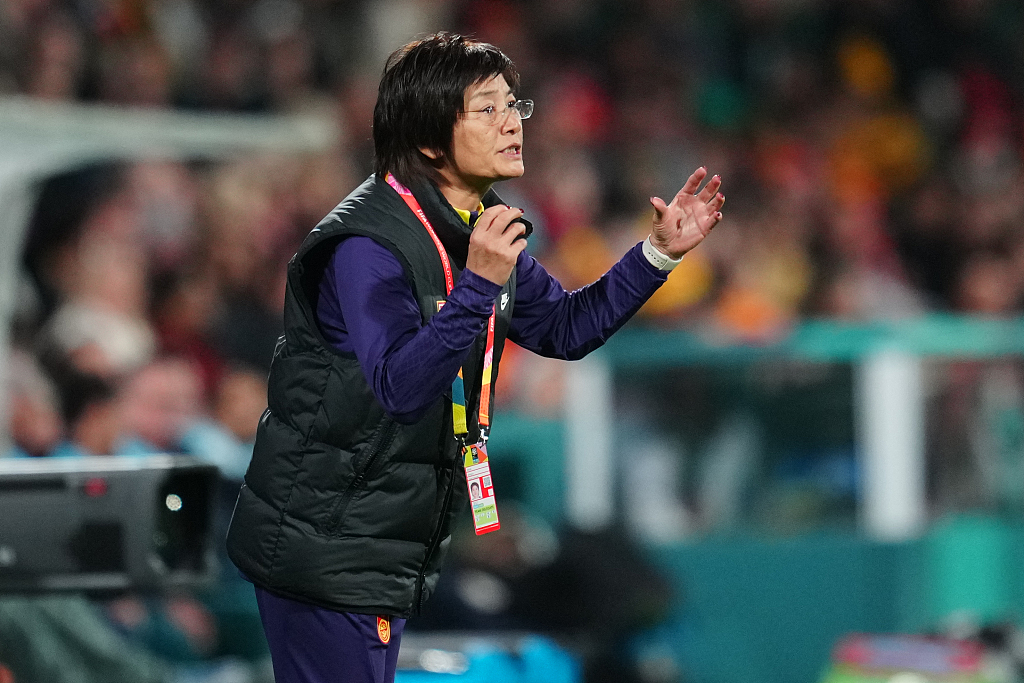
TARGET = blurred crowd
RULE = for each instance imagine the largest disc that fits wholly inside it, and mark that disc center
(871, 150)
(871, 153)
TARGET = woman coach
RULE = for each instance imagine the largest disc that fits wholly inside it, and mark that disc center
(398, 306)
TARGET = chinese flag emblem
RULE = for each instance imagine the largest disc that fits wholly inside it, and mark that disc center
(384, 630)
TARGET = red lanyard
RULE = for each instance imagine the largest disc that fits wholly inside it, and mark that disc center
(486, 384)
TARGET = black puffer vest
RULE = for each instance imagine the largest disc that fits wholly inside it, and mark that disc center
(343, 507)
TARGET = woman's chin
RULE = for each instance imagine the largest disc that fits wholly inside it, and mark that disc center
(513, 170)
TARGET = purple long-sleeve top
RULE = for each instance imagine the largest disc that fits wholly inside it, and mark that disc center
(367, 307)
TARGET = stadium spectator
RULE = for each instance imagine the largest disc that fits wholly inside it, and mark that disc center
(34, 421)
(92, 413)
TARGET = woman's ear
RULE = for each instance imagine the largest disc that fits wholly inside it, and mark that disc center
(432, 157)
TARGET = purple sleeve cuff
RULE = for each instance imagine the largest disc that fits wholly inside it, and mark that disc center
(474, 293)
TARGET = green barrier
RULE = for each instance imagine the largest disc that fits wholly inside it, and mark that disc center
(528, 462)
(758, 610)
(770, 611)
(970, 571)
(824, 340)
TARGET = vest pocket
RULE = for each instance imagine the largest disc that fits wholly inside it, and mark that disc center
(369, 462)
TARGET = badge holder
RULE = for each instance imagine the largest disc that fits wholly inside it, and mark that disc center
(474, 458)
(481, 490)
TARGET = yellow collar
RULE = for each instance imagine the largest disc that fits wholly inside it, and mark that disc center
(464, 215)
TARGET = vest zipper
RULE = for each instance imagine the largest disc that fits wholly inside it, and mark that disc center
(436, 540)
(380, 444)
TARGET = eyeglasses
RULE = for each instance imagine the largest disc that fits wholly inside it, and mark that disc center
(493, 115)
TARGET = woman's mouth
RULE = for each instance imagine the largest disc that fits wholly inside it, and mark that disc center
(513, 151)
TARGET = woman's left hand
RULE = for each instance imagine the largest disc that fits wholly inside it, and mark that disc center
(687, 220)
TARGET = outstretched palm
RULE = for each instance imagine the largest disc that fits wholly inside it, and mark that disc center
(687, 220)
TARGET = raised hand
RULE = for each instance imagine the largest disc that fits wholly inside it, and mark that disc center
(687, 220)
(493, 247)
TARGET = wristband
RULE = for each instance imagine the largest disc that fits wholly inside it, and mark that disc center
(657, 259)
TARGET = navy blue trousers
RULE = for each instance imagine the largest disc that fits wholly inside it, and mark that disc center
(315, 645)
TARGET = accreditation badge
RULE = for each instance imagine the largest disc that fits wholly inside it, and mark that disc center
(481, 489)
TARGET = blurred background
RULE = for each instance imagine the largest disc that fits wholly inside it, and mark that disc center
(805, 452)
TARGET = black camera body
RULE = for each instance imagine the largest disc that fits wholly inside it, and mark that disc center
(105, 523)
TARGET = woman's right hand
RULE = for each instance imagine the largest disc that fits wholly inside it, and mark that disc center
(493, 245)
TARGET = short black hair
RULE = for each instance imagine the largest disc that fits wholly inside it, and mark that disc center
(422, 93)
